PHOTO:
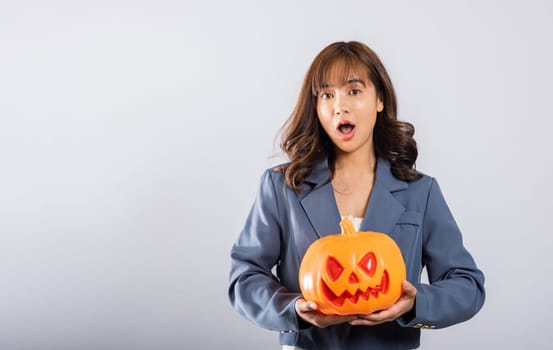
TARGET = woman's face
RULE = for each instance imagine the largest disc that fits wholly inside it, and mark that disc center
(347, 111)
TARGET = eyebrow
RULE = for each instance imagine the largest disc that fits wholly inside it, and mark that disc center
(356, 80)
(349, 81)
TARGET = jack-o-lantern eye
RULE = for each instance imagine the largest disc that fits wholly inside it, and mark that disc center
(333, 268)
(368, 264)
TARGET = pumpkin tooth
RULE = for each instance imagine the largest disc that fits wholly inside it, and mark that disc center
(366, 294)
(385, 282)
(353, 298)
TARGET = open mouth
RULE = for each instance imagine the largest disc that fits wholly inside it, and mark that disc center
(339, 300)
(345, 127)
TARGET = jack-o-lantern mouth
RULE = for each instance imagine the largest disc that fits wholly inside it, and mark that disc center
(373, 292)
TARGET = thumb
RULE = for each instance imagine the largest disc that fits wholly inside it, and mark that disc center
(306, 306)
(408, 289)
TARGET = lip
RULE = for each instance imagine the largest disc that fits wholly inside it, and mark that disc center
(341, 135)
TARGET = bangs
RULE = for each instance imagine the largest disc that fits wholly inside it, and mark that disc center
(337, 70)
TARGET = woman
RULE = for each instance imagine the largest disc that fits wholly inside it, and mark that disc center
(349, 156)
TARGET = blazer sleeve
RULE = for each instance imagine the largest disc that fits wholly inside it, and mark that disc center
(456, 289)
(254, 291)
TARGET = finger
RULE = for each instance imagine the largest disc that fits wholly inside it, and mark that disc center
(332, 320)
(381, 316)
(361, 322)
(310, 306)
(348, 318)
(367, 322)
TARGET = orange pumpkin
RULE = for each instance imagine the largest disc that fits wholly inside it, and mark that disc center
(352, 272)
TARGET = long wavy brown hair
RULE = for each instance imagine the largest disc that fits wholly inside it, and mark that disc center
(303, 139)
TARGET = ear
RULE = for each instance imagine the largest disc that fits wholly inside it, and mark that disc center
(379, 105)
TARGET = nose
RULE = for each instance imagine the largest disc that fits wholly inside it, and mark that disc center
(353, 278)
(340, 106)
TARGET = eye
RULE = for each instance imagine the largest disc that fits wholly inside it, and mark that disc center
(325, 95)
(368, 264)
(354, 92)
(333, 268)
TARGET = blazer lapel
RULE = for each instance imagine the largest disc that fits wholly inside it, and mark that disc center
(319, 202)
(383, 210)
(320, 207)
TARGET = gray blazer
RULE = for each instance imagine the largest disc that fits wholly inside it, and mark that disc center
(282, 224)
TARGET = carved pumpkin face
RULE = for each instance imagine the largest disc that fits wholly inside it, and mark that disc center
(353, 272)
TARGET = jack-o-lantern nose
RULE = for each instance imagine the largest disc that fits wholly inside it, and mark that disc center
(353, 278)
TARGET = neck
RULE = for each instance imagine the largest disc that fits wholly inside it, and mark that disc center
(357, 163)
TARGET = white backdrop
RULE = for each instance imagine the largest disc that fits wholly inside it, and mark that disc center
(133, 135)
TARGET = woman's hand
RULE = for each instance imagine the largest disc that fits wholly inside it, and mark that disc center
(402, 306)
(307, 310)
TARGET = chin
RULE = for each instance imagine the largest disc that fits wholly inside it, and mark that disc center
(351, 147)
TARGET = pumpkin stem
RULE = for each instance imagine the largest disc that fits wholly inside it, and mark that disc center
(347, 228)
